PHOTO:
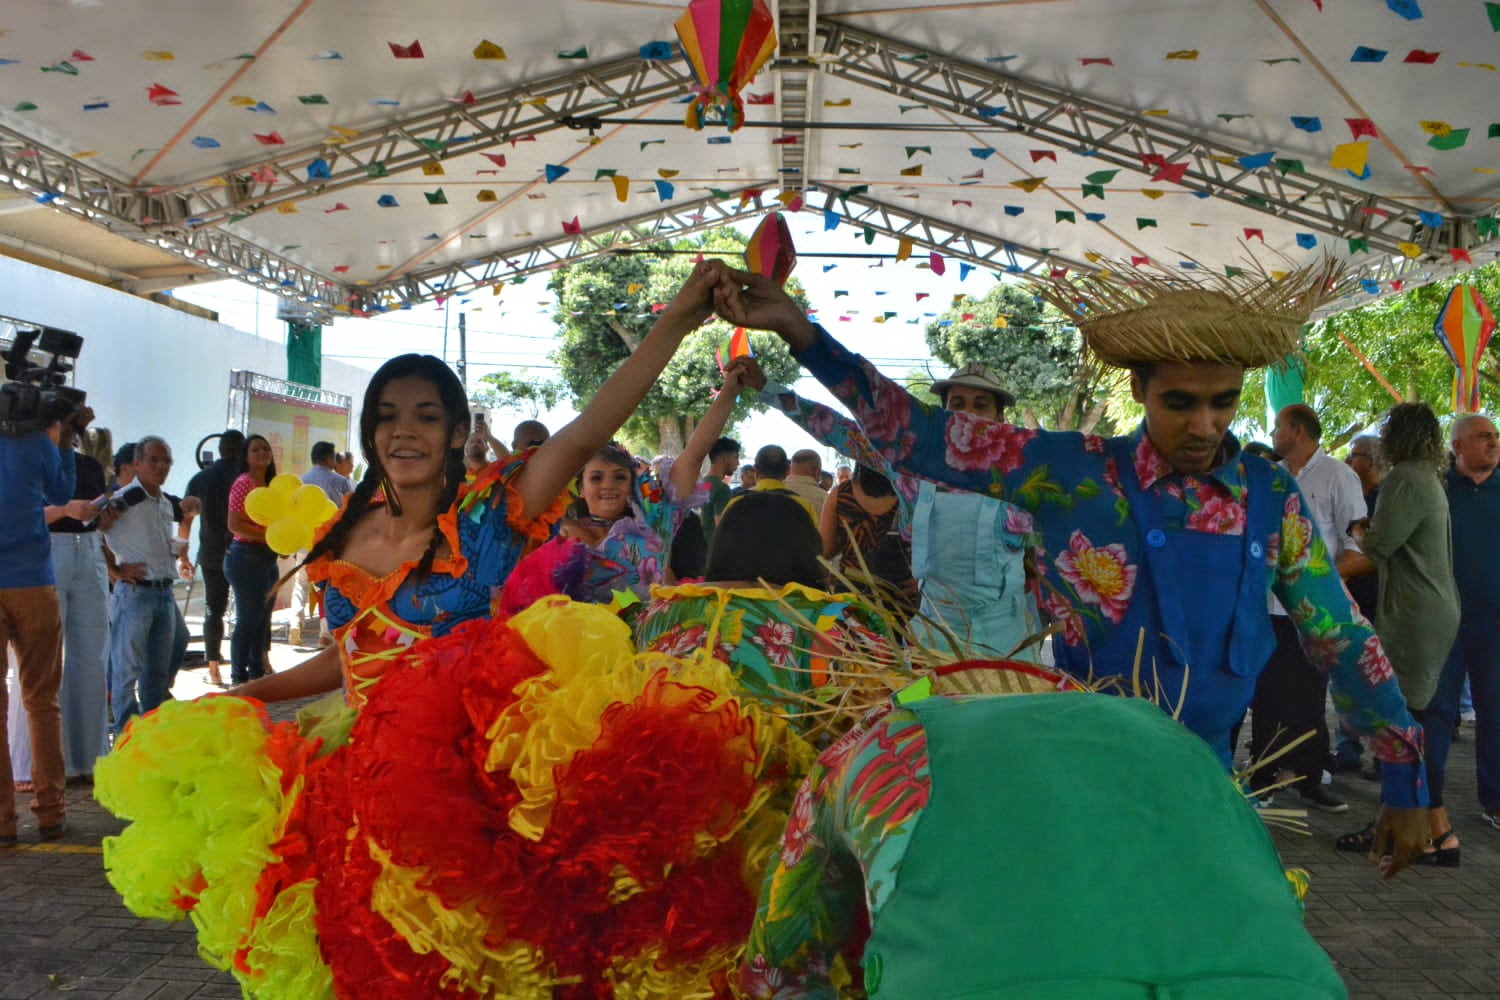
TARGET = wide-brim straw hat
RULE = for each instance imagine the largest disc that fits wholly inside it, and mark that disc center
(1250, 318)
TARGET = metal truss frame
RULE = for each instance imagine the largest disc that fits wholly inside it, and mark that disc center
(1119, 138)
(796, 22)
(679, 220)
(429, 136)
(143, 215)
(992, 252)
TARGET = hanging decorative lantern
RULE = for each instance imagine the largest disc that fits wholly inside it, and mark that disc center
(1464, 327)
(726, 42)
(770, 252)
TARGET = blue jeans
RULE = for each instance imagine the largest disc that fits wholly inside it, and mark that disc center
(147, 638)
(1476, 656)
(251, 570)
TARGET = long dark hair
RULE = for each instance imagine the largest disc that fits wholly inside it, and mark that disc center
(874, 484)
(245, 457)
(1411, 434)
(766, 536)
(610, 455)
(456, 414)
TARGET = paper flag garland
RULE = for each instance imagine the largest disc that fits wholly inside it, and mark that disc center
(726, 42)
(1464, 326)
(770, 251)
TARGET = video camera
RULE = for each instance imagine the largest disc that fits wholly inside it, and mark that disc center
(36, 395)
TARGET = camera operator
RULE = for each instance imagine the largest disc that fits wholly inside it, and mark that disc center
(82, 599)
(147, 634)
(37, 469)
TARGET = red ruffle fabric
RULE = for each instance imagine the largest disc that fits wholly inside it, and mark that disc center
(620, 870)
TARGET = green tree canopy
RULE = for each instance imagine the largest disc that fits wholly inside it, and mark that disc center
(607, 304)
(1036, 353)
(1396, 336)
(523, 390)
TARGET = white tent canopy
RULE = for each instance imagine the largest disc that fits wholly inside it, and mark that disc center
(303, 146)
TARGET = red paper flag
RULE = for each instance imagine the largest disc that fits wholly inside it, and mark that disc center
(1362, 127)
(162, 96)
(1418, 56)
(1172, 173)
(498, 159)
(1038, 155)
(935, 261)
(412, 51)
(271, 139)
(1255, 234)
(572, 228)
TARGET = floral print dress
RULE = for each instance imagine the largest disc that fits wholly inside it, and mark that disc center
(780, 643)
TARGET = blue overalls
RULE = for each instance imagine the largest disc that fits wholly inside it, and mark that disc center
(972, 573)
(1201, 599)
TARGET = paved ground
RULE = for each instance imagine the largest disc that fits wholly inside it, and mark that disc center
(1431, 933)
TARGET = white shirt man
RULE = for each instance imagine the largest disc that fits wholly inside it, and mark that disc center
(147, 634)
(1291, 693)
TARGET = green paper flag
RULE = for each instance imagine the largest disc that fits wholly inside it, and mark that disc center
(604, 172)
(1094, 191)
(1101, 176)
(1487, 227)
(1495, 130)
(313, 99)
(376, 170)
(435, 197)
(1359, 245)
(1289, 167)
(1493, 10)
(914, 150)
(1063, 215)
(1145, 223)
(1453, 140)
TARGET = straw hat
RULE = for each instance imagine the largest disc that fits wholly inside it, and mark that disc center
(975, 376)
(1249, 318)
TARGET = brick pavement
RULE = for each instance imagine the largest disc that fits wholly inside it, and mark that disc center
(1430, 933)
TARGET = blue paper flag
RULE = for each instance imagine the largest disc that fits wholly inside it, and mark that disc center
(1014, 210)
(1432, 220)
(963, 270)
(657, 50)
(665, 190)
(1307, 123)
(553, 171)
(1094, 216)
(1370, 285)
(981, 152)
(1256, 161)
(204, 142)
(830, 218)
(1365, 54)
(318, 170)
(1306, 241)
(1408, 9)
(387, 201)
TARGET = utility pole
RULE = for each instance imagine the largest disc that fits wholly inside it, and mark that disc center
(463, 352)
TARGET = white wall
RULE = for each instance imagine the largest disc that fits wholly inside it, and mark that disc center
(150, 369)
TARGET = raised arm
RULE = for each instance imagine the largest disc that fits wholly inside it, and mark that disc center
(685, 470)
(955, 449)
(1338, 641)
(561, 456)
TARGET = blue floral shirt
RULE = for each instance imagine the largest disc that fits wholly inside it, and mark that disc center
(1092, 549)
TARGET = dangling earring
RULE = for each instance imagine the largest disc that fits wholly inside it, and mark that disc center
(392, 501)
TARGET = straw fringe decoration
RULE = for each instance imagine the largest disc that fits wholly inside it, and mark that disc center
(1254, 318)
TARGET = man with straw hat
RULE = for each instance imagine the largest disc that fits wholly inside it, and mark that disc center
(1158, 547)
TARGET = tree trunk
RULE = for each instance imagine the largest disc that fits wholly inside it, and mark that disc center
(670, 432)
(1093, 415)
(630, 340)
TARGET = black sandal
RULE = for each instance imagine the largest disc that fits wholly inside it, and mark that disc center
(1360, 842)
(1441, 857)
